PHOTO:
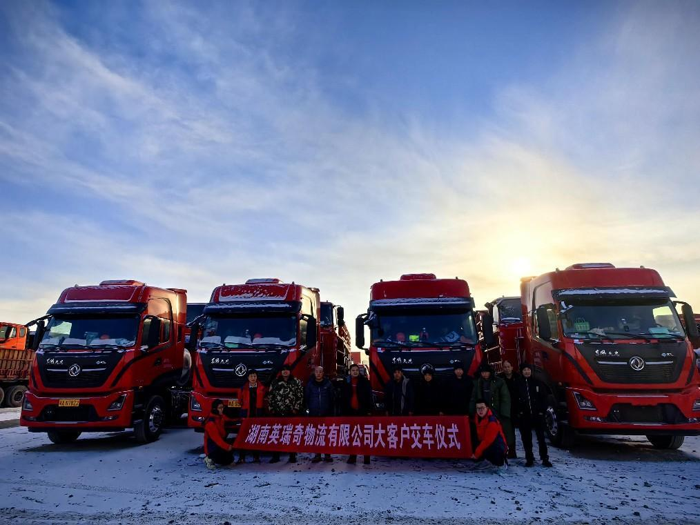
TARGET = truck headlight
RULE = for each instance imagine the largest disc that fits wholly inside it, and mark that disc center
(194, 404)
(118, 404)
(696, 405)
(583, 403)
(27, 405)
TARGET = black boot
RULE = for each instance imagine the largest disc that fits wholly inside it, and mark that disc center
(366, 460)
(352, 460)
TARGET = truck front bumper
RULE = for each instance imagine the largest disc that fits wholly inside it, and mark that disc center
(85, 413)
(200, 408)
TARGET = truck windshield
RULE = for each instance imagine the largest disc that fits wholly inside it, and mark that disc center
(194, 311)
(244, 332)
(620, 320)
(326, 314)
(510, 309)
(424, 327)
(7, 332)
(92, 332)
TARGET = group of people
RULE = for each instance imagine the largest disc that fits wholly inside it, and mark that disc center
(496, 405)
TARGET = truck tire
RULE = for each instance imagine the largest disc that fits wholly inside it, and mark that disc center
(60, 437)
(2, 396)
(151, 424)
(560, 434)
(15, 396)
(666, 442)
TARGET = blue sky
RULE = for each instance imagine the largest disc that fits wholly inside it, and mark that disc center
(334, 144)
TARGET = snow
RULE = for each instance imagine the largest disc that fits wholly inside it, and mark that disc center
(10, 414)
(248, 304)
(663, 292)
(108, 478)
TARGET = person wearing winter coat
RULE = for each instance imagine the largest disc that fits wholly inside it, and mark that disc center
(510, 377)
(319, 396)
(492, 441)
(458, 391)
(429, 395)
(252, 405)
(399, 396)
(532, 403)
(356, 400)
(285, 400)
(217, 451)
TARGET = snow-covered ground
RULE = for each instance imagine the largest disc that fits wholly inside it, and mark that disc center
(108, 478)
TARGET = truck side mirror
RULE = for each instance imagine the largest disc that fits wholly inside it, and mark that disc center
(341, 316)
(193, 338)
(38, 334)
(311, 332)
(151, 332)
(691, 326)
(543, 327)
(487, 330)
(360, 331)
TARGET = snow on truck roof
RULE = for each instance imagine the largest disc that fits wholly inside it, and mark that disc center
(599, 276)
(117, 291)
(258, 290)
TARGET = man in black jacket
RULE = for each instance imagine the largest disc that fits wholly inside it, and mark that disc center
(398, 395)
(357, 400)
(429, 395)
(532, 402)
(458, 391)
(319, 396)
(510, 377)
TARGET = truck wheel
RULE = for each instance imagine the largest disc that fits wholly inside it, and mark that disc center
(560, 434)
(60, 437)
(15, 395)
(2, 396)
(151, 425)
(666, 442)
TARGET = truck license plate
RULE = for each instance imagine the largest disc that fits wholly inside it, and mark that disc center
(234, 403)
(69, 402)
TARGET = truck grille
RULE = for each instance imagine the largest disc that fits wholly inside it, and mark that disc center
(94, 368)
(229, 369)
(664, 413)
(663, 362)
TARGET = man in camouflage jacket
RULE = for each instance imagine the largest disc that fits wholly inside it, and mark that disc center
(285, 400)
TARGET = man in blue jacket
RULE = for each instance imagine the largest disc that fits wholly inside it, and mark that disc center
(319, 396)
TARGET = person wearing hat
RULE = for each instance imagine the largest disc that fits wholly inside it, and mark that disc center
(458, 391)
(532, 403)
(429, 395)
(399, 397)
(494, 392)
(252, 403)
(285, 400)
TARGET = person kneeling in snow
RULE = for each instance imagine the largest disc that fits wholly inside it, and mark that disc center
(217, 451)
(492, 441)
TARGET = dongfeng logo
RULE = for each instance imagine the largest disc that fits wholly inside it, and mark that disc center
(74, 370)
(636, 363)
(240, 369)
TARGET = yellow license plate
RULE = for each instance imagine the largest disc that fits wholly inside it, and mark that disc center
(234, 403)
(69, 402)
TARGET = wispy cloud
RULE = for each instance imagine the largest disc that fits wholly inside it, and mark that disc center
(205, 148)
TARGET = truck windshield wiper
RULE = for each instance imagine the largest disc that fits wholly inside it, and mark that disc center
(268, 345)
(597, 334)
(660, 336)
(109, 346)
(395, 343)
(49, 346)
(211, 345)
(631, 335)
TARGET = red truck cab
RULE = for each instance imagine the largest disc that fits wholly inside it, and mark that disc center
(15, 361)
(110, 357)
(415, 322)
(505, 317)
(335, 340)
(262, 325)
(609, 344)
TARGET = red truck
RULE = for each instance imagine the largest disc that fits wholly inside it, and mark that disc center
(335, 340)
(262, 325)
(609, 344)
(15, 361)
(109, 357)
(506, 319)
(415, 322)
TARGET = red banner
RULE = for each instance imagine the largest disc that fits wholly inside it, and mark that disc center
(414, 436)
